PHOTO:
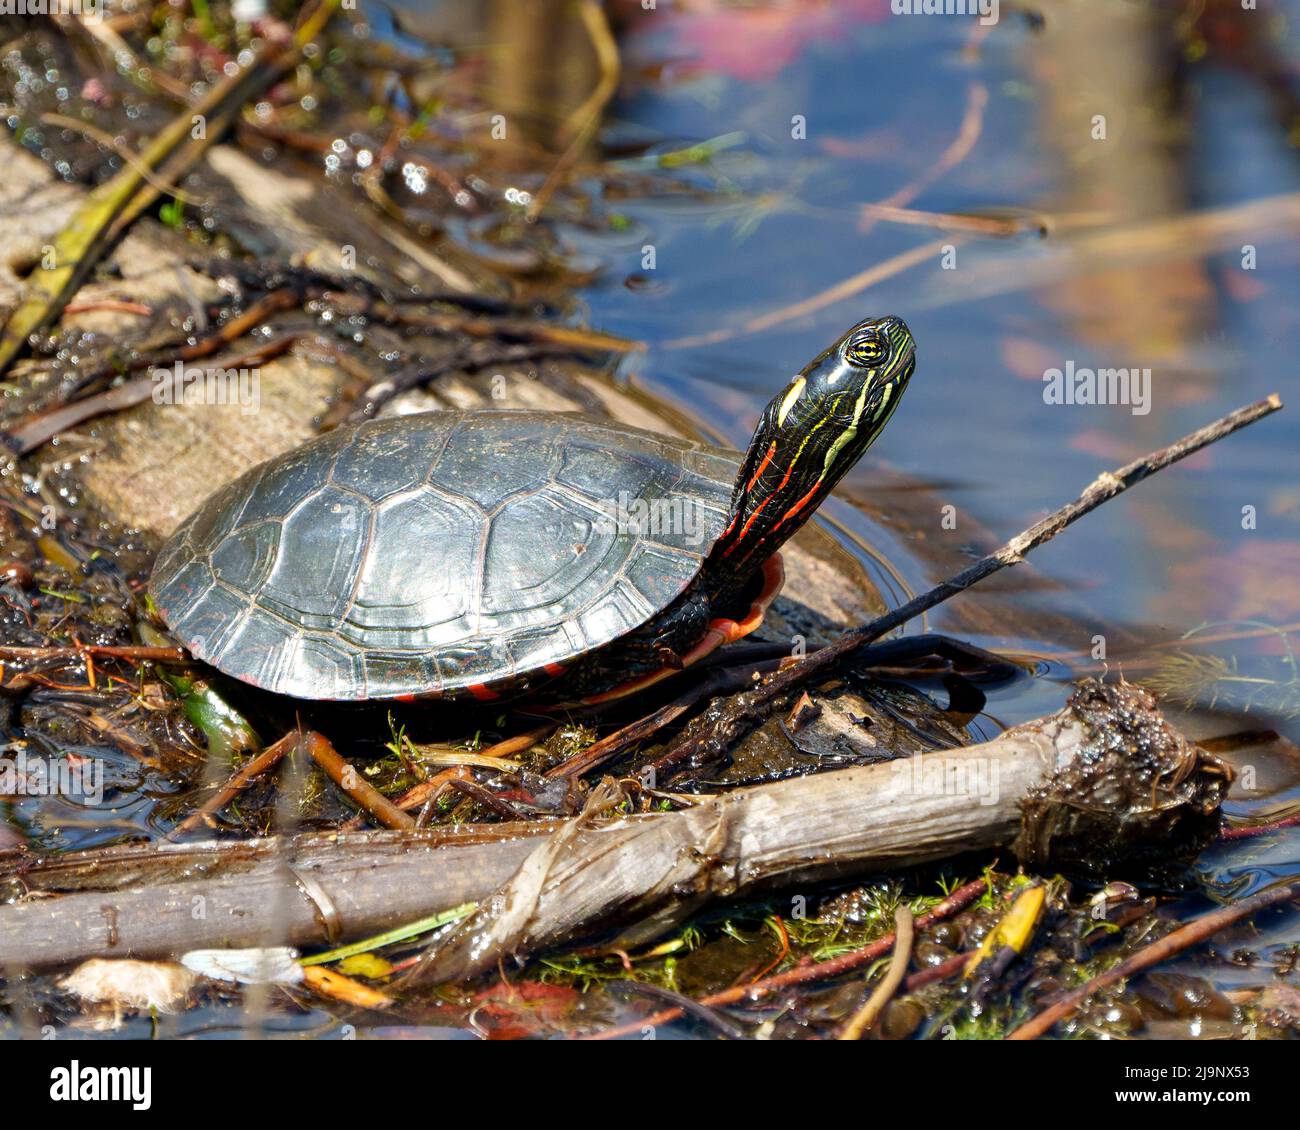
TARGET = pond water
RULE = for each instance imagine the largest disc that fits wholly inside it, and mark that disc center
(827, 108)
(1165, 254)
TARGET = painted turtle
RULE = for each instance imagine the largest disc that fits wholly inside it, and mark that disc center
(493, 552)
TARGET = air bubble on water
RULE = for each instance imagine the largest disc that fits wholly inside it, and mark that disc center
(415, 177)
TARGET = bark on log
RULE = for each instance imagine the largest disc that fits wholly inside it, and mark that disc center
(1103, 785)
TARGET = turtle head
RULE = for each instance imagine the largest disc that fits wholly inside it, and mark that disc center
(810, 435)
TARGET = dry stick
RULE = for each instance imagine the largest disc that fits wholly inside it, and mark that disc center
(520, 743)
(120, 305)
(467, 360)
(264, 761)
(418, 795)
(865, 1017)
(429, 791)
(1183, 938)
(1003, 226)
(972, 125)
(1247, 831)
(844, 289)
(933, 973)
(719, 1022)
(102, 651)
(39, 430)
(486, 797)
(801, 974)
(345, 775)
(482, 328)
(750, 706)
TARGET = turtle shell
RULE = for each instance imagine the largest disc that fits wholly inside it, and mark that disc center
(434, 552)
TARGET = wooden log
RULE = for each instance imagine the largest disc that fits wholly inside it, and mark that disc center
(1103, 785)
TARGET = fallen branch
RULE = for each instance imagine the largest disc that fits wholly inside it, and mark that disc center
(745, 709)
(1105, 782)
(139, 899)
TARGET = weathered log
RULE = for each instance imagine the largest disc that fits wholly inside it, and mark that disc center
(1104, 785)
(161, 900)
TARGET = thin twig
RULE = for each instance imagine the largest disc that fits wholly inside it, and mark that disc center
(431, 789)
(1249, 831)
(345, 775)
(118, 305)
(1001, 226)
(865, 1017)
(599, 753)
(846, 288)
(36, 431)
(582, 124)
(102, 651)
(723, 1025)
(752, 705)
(471, 358)
(972, 125)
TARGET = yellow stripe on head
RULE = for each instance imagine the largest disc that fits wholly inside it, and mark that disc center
(846, 436)
(796, 390)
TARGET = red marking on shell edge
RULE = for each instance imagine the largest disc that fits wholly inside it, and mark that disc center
(404, 697)
(553, 669)
(482, 692)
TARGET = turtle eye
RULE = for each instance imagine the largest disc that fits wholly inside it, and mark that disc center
(864, 352)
